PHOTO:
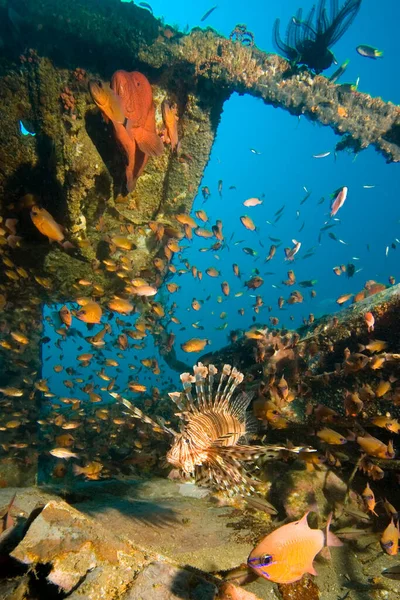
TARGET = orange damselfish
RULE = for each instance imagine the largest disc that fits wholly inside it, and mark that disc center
(287, 553)
(45, 223)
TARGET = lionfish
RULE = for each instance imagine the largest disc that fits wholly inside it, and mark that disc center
(211, 445)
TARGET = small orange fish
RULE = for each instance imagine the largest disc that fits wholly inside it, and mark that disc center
(195, 345)
(374, 447)
(390, 539)
(236, 270)
(377, 362)
(386, 422)
(353, 405)
(90, 313)
(382, 388)
(158, 309)
(291, 276)
(287, 553)
(137, 387)
(107, 100)
(374, 346)
(369, 499)
(145, 290)
(295, 297)
(45, 223)
(159, 264)
(172, 287)
(85, 357)
(121, 242)
(91, 471)
(225, 288)
(19, 337)
(65, 316)
(248, 223)
(173, 245)
(204, 233)
(196, 304)
(344, 298)
(202, 215)
(186, 220)
(254, 282)
(170, 118)
(331, 437)
(212, 272)
(370, 321)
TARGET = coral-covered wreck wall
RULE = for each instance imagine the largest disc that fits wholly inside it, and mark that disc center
(73, 165)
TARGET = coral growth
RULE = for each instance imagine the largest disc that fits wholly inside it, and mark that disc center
(308, 42)
(68, 100)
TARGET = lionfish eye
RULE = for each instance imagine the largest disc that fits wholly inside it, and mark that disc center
(186, 441)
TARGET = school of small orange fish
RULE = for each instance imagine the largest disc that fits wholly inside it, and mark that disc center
(286, 554)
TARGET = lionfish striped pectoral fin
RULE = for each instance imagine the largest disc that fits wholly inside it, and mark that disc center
(273, 449)
(248, 453)
(223, 471)
(241, 453)
(138, 414)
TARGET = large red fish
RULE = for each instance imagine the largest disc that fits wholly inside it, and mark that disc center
(287, 553)
(136, 95)
(131, 93)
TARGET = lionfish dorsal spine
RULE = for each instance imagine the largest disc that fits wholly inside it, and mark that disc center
(212, 370)
(187, 379)
(200, 374)
(176, 399)
(219, 396)
(234, 379)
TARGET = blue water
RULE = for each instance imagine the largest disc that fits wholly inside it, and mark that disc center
(367, 223)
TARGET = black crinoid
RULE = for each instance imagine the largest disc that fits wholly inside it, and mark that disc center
(308, 42)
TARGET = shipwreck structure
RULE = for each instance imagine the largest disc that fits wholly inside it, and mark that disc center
(72, 166)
